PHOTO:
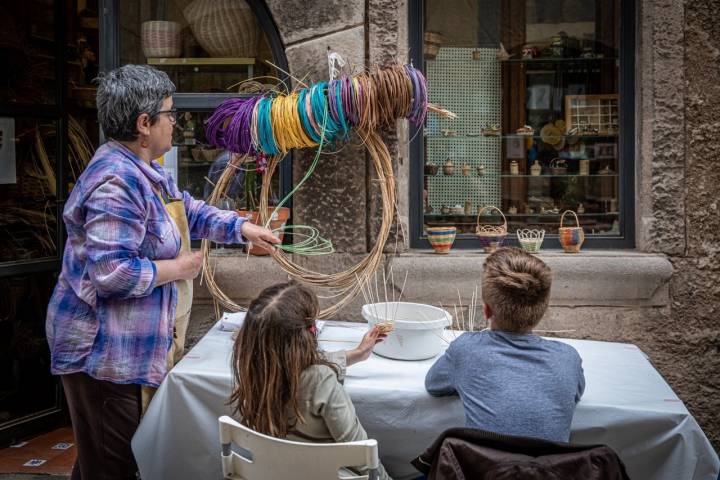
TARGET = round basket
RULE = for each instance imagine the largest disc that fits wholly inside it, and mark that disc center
(210, 154)
(491, 236)
(224, 28)
(441, 238)
(161, 39)
(197, 154)
(571, 238)
(530, 239)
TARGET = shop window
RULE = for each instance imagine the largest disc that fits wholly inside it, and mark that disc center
(536, 86)
(211, 50)
(204, 45)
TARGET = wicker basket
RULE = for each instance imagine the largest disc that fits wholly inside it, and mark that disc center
(530, 239)
(571, 238)
(558, 166)
(491, 236)
(441, 238)
(224, 28)
(161, 39)
(210, 154)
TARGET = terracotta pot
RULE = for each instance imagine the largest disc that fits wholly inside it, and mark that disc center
(279, 221)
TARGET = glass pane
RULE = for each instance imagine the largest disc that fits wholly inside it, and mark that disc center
(200, 165)
(27, 47)
(203, 45)
(28, 219)
(26, 385)
(535, 86)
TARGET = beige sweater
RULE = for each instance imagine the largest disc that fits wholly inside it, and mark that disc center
(326, 407)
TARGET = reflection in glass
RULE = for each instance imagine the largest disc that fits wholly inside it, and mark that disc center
(28, 218)
(26, 385)
(204, 45)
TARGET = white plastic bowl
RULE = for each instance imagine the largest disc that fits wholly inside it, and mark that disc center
(418, 329)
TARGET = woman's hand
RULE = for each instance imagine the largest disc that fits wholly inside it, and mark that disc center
(259, 236)
(362, 351)
(185, 267)
(189, 264)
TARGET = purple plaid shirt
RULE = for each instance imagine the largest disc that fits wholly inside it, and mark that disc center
(107, 317)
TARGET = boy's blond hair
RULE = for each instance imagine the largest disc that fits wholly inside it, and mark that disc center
(516, 287)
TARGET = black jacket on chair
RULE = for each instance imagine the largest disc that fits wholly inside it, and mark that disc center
(469, 453)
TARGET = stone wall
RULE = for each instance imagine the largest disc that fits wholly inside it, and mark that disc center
(677, 111)
(677, 143)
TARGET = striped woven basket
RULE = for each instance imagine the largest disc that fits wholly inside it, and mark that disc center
(224, 28)
(161, 39)
(441, 238)
(571, 238)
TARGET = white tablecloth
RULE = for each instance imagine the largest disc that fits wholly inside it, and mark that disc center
(627, 405)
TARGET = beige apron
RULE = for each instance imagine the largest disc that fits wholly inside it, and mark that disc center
(176, 210)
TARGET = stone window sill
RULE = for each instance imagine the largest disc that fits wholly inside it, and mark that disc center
(588, 278)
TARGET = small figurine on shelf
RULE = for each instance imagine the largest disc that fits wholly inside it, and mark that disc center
(558, 45)
(514, 169)
(491, 131)
(468, 207)
(606, 171)
(481, 170)
(580, 208)
(613, 205)
(502, 54)
(536, 169)
(588, 52)
(529, 52)
(431, 169)
(584, 165)
(444, 209)
(525, 130)
(428, 208)
(512, 210)
(449, 167)
(466, 170)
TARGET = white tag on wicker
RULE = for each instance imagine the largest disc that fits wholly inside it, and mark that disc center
(334, 58)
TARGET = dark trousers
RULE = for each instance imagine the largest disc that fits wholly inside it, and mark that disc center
(104, 417)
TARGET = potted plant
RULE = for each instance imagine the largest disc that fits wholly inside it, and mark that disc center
(251, 184)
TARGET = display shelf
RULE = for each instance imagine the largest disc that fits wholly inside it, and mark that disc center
(572, 175)
(180, 61)
(515, 136)
(194, 164)
(526, 60)
(518, 215)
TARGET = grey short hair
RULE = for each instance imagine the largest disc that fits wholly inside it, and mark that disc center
(127, 92)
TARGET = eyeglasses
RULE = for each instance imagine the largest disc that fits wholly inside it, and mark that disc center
(172, 114)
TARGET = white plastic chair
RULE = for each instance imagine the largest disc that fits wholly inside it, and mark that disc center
(274, 458)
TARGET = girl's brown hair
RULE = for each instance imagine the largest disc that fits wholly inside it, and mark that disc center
(273, 347)
(516, 286)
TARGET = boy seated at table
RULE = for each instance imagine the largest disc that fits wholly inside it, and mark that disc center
(509, 380)
(283, 385)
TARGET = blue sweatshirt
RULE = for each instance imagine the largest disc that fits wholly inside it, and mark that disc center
(511, 383)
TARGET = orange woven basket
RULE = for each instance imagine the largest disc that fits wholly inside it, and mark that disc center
(571, 238)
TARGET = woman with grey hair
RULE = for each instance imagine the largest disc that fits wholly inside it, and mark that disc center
(117, 318)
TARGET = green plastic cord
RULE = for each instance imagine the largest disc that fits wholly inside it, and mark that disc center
(313, 243)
